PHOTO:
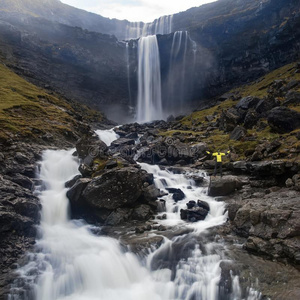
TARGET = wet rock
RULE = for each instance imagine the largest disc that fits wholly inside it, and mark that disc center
(118, 216)
(283, 119)
(115, 188)
(71, 182)
(75, 192)
(224, 186)
(196, 211)
(142, 212)
(151, 193)
(178, 194)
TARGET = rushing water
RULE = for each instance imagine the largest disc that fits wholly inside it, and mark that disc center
(149, 104)
(71, 263)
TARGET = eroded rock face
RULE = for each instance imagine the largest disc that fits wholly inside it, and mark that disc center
(270, 222)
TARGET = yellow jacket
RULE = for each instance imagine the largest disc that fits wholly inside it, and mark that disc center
(218, 155)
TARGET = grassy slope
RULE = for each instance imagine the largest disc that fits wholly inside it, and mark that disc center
(27, 111)
(220, 140)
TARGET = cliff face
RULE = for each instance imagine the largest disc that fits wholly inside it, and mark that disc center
(79, 64)
(230, 42)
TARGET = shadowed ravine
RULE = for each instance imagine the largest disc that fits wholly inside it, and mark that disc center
(70, 262)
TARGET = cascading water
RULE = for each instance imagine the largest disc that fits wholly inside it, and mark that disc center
(149, 104)
(71, 263)
(162, 25)
(107, 136)
(181, 70)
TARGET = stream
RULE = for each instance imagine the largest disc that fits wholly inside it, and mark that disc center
(72, 263)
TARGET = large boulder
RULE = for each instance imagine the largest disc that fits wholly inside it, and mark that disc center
(283, 119)
(222, 186)
(248, 102)
(229, 119)
(115, 188)
(238, 133)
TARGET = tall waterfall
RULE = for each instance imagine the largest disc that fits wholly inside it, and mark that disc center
(181, 70)
(162, 25)
(149, 104)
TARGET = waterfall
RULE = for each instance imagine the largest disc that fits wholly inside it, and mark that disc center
(162, 25)
(180, 75)
(149, 103)
(128, 74)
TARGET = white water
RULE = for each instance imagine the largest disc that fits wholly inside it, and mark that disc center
(107, 136)
(74, 264)
(149, 104)
(162, 25)
(181, 70)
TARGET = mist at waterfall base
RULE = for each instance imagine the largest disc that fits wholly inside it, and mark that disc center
(71, 263)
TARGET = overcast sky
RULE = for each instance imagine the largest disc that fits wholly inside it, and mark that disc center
(135, 10)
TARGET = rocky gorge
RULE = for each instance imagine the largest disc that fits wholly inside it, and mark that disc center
(142, 197)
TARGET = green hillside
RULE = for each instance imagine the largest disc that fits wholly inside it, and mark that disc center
(27, 111)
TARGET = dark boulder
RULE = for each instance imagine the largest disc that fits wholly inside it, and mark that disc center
(224, 186)
(251, 119)
(194, 214)
(74, 194)
(292, 97)
(71, 182)
(247, 102)
(178, 194)
(265, 105)
(196, 211)
(118, 216)
(283, 119)
(150, 193)
(115, 188)
(238, 133)
(229, 119)
(142, 212)
(121, 142)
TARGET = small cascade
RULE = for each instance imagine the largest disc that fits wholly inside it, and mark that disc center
(149, 103)
(107, 136)
(181, 70)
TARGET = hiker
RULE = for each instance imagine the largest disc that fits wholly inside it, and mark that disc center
(218, 163)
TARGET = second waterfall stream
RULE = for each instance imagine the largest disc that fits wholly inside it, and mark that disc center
(71, 263)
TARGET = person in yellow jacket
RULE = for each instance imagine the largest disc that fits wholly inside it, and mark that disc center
(218, 155)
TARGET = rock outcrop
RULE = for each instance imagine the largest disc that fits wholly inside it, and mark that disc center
(222, 186)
